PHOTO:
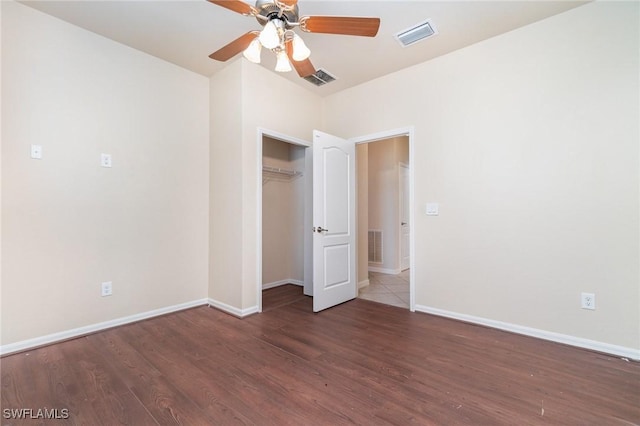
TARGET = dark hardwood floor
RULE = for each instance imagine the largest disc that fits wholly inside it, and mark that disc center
(277, 297)
(357, 363)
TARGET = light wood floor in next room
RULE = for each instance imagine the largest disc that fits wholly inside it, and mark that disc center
(361, 363)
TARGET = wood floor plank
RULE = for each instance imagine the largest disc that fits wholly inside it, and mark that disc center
(50, 384)
(179, 361)
(276, 297)
(23, 379)
(358, 363)
(105, 394)
(191, 392)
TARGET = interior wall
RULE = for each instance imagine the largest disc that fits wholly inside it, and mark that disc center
(282, 214)
(529, 143)
(225, 186)
(274, 103)
(68, 224)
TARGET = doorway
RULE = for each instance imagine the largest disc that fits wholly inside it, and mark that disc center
(385, 214)
(284, 251)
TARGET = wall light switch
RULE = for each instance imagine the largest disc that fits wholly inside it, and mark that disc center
(432, 209)
(105, 160)
(36, 152)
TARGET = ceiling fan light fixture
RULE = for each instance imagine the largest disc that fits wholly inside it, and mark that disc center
(252, 53)
(270, 35)
(282, 64)
(279, 18)
(300, 50)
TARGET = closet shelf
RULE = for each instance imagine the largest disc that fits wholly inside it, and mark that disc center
(279, 173)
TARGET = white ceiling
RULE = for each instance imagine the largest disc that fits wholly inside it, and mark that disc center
(185, 32)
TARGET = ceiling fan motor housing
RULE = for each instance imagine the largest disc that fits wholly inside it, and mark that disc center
(270, 10)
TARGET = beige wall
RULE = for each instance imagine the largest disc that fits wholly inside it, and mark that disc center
(529, 142)
(282, 214)
(225, 186)
(246, 97)
(264, 106)
(69, 224)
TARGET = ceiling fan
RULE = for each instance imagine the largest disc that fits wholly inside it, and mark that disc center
(279, 18)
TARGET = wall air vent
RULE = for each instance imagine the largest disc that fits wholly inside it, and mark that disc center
(416, 33)
(375, 245)
(320, 77)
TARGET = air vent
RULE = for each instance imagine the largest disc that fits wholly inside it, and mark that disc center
(375, 245)
(320, 77)
(416, 33)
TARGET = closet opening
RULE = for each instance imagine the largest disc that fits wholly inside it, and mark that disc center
(285, 201)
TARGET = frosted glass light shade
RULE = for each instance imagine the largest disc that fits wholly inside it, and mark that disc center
(300, 50)
(283, 64)
(252, 52)
(269, 36)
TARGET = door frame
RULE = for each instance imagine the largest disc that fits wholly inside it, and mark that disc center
(401, 166)
(408, 131)
(308, 193)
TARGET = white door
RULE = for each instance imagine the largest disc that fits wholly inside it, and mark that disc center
(404, 218)
(334, 220)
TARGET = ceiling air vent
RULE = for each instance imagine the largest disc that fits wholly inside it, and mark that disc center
(416, 33)
(320, 77)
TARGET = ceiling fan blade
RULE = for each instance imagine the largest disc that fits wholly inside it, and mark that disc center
(289, 3)
(233, 48)
(237, 6)
(304, 68)
(347, 25)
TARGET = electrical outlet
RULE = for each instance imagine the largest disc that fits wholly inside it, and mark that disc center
(107, 288)
(588, 301)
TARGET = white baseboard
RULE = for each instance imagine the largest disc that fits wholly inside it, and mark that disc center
(236, 312)
(363, 283)
(282, 282)
(81, 331)
(384, 270)
(580, 342)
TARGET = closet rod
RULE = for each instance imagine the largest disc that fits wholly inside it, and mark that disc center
(278, 170)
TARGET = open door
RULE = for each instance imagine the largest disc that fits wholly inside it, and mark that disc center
(334, 220)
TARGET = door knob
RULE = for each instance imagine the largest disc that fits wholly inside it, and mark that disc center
(320, 229)
(403, 223)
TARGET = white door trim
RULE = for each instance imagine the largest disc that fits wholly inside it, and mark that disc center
(410, 132)
(261, 132)
(402, 166)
